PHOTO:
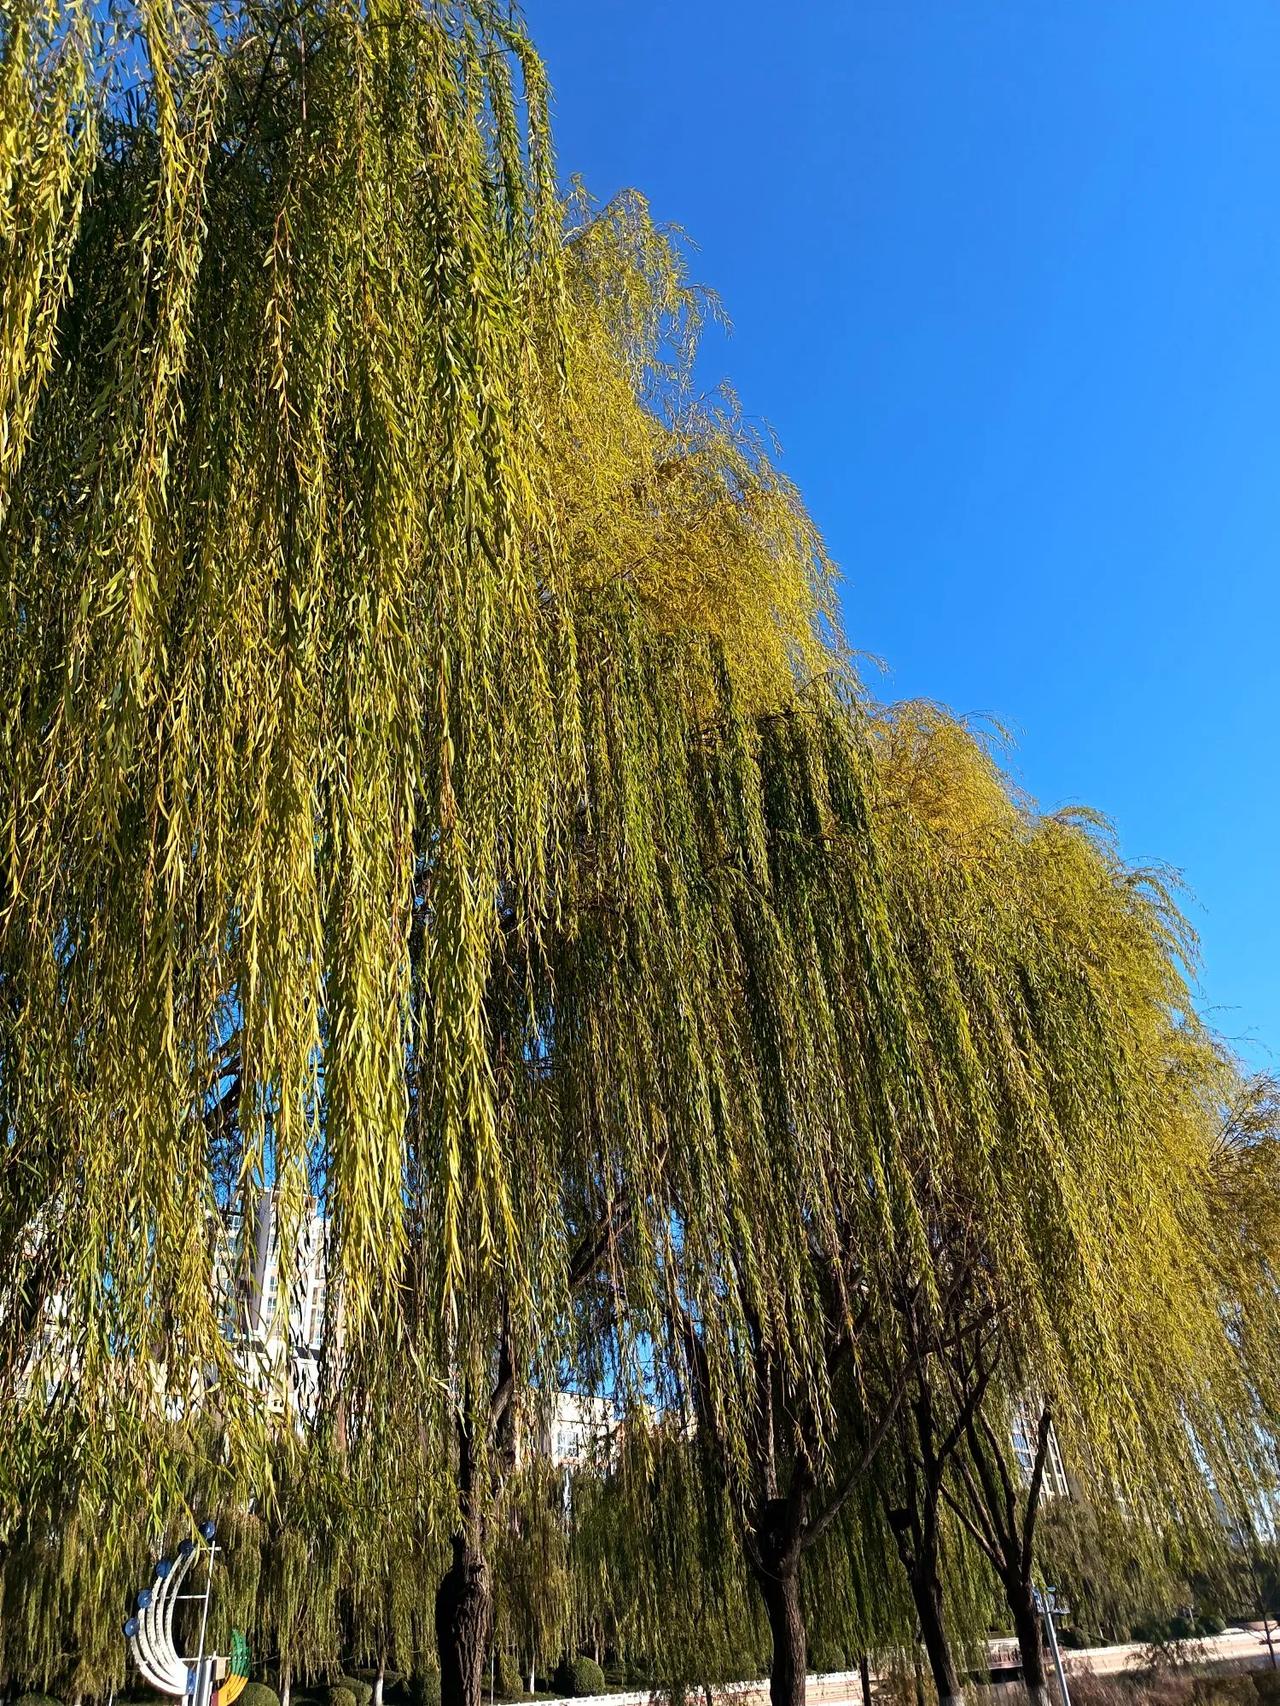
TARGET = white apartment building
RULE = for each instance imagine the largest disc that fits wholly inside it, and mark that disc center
(280, 1338)
(579, 1431)
(1025, 1428)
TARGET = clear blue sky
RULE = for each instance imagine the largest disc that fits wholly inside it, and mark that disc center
(1005, 279)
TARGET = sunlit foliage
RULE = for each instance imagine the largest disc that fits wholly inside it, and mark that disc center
(432, 782)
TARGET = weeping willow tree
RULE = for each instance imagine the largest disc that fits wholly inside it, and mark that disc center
(432, 786)
(1075, 1214)
(75, 1554)
(313, 684)
(974, 1021)
(656, 1570)
(1110, 1549)
(365, 558)
(659, 1572)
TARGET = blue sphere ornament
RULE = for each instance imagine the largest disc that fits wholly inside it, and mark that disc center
(131, 1627)
(162, 1569)
(208, 1529)
(186, 1547)
(144, 1599)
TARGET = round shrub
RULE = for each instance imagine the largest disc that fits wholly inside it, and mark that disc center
(258, 1694)
(361, 1692)
(579, 1678)
(37, 1700)
(337, 1695)
(424, 1688)
(509, 1681)
(1210, 1624)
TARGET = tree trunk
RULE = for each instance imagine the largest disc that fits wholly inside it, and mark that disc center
(377, 1685)
(286, 1684)
(464, 1608)
(926, 1590)
(780, 1589)
(864, 1674)
(1026, 1626)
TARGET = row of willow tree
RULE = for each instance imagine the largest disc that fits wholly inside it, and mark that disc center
(433, 783)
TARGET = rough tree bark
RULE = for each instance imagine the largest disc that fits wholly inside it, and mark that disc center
(927, 1593)
(464, 1614)
(464, 1596)
(780, 1589)
(919, 1551)
(774, 1549)
(1026, 1626)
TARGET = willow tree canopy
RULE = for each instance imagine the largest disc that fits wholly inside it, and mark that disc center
(365, 557)
(430, 778)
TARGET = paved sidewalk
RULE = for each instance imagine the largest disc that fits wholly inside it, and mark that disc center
(1247, 1647)
(1247, 1644)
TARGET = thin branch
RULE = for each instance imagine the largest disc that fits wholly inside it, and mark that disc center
(958, 1510)
(1043, 1437)
(967, 1411)
(844, 1492)
(1006, 1480)
(591, 1248)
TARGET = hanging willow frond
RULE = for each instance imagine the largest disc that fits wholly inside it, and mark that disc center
(433, 785)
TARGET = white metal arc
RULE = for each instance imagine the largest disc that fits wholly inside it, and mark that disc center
(142, 1658)
(171, 1600)
(153, 1644)
(143, 1643)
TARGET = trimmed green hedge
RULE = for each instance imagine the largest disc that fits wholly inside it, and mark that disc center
(337, 1695)
(507, 1678)
(424, 1688)
(580, 1677)
(360, 1692)
(258, 1694)
(37, 1700)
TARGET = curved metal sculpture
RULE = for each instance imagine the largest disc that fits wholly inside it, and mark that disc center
(207, 1679)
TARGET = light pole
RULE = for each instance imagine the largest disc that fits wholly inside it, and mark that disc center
(1044, 1604)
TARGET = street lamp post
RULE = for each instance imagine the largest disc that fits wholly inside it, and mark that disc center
(1044, 1604)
